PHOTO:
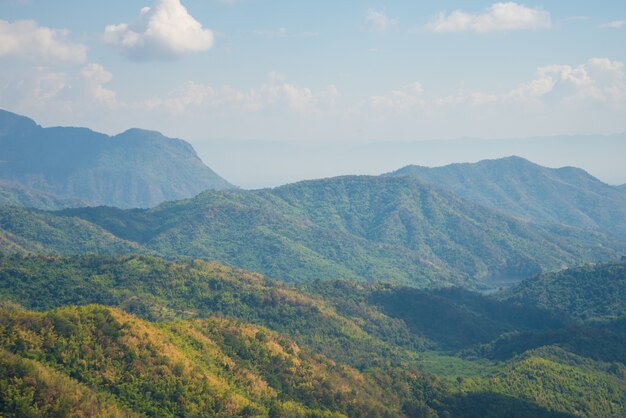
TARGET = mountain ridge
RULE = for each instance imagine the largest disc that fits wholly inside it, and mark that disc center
(514, 185)
(366, 227)
(136, 168)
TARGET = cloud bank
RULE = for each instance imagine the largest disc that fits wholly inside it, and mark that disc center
(498, 17)
(25, 39)
(163, 32)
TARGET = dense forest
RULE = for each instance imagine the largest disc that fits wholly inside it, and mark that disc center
(566, 195)
(395, 229)
(495, 289)
(188, 338)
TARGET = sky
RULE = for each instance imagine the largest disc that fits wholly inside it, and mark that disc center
(207, 70)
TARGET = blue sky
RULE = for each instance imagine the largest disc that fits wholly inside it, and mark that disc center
(317, 70)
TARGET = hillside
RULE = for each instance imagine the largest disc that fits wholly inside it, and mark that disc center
(134, 169)
(156, 289)
(208, 367)
(34, 231)
(373, 228)
(519, 187)
(232, 343)
(13, 194)
(346, 321)
(588, 292)
(99, 361)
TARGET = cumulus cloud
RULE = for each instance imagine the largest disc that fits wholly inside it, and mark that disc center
(94, 77)
(165, 31)
(597, 80)
(73, 89)
(377, 20)
(616, 24)
(498, 17)
(25, 39)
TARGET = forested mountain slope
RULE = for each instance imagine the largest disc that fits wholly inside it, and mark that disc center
(13, 194)
(134, 169)
(231, 343)
(588, 292)
(375, 228)
(519, 187)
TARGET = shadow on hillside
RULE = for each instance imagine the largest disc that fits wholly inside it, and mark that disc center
(493, 405)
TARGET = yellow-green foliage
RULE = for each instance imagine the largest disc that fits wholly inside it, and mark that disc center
(556, 385)
(209, 367)
(31, 389)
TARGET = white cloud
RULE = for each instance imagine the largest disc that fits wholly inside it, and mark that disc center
(94, 76)
(616, 24)
(377, 20)
(25, 39)
(498, 17)
(406, 98)
(165, 31)
(189, 94)
(597, 80)
(275, 93)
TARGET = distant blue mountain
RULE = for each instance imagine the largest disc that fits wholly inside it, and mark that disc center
(137, 168)
(567, 195)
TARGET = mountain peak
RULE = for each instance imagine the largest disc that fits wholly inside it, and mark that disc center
(137, 168)
(12, 122)
(566, 195)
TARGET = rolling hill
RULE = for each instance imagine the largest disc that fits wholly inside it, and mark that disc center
(225, 342)
(589, 292)
(519, 187)
(373, 228)
(134, 169)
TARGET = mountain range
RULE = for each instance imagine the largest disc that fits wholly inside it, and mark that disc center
(198, 338)
(374, 228)
(62, 167)
(516, 186)
(494, 289)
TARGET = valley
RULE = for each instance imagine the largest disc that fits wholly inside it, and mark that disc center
(489, 289)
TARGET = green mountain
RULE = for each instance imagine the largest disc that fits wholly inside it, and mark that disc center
(374, 228)
(232, 343)
(209, 367)
(589, 293)
(134, 169)
(13, 194)
(519, 187)
(156, 289)
(99, 361)
(34, 231)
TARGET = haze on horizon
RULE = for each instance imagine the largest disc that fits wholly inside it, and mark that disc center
(316, 84)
